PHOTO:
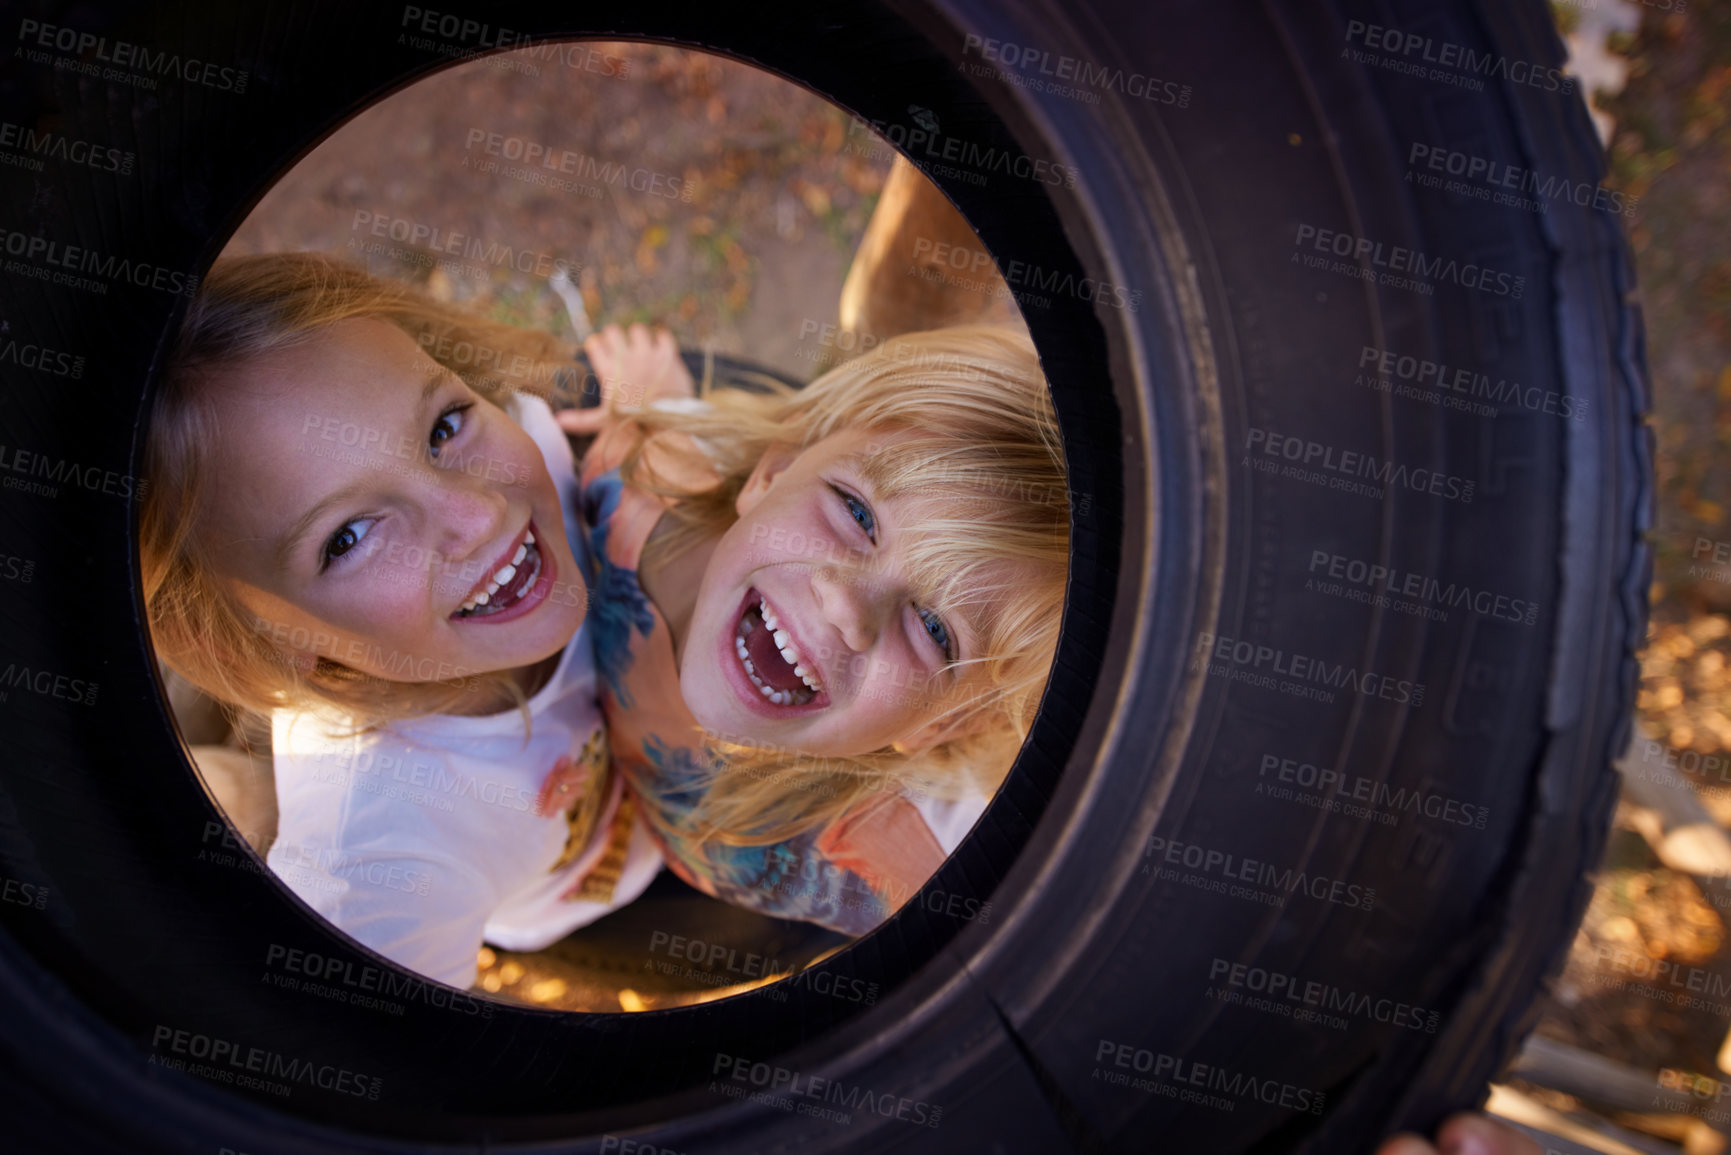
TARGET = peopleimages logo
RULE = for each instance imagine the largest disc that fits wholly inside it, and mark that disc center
(28, 355)
(1197, 1079)
(569, 162)
(25, 463)
(1303, 669)
(29, 146)
(1488, 179)
(931, 255)
(440, 243)
(1042, 70)
(971, 161)
(1339, 791)
(1431, 378)
(1454, 58)
(1346, 469)
(1397, 259)
(137, 64)
(795, 1090)
(66, 261)
(1296, 995)
(1229, 868)
(1379, 580)
(362, 979)
(227, 1062)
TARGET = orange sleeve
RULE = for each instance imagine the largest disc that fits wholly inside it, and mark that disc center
(887, 843)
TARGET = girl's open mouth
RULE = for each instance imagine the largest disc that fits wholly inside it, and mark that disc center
(770, 658)
(505, 588)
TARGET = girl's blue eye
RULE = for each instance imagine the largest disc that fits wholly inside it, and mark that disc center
(449, 424)
(859, 511)
(937, 632)
(345, 539)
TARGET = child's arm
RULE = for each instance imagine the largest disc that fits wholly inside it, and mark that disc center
(792, 879)
(886, 842)
(636, 368)
(848, 876)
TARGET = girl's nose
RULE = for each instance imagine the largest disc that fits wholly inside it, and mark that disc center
(465, 517)
(848, 604)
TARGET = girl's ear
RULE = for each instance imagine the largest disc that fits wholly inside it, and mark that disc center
(769, 467)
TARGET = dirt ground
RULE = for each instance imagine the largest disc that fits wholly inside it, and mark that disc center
(686, 190)
(1672, 149)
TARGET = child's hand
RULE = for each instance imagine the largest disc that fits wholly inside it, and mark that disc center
(635, 368)
(1466, 1134)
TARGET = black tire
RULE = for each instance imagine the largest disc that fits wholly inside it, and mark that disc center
(1199, 327)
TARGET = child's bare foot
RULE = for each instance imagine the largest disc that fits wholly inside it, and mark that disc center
(636, 367)
(1466, 1134)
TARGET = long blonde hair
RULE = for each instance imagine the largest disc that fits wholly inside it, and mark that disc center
(983, 433)
(249, 306)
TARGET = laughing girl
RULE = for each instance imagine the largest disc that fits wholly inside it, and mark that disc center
(359, 525)
(823, 618)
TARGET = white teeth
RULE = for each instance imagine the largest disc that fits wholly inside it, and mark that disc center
(783, 642)
(789, 653)
(499, 579)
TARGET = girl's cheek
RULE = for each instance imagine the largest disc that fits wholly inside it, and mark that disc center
(520, 461)
(393, 602)
(500, 457)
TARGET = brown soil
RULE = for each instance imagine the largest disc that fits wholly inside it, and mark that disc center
(698, 193)
(1672, 149)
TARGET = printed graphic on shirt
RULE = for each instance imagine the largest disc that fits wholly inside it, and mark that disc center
(598, 884)
(580, 786)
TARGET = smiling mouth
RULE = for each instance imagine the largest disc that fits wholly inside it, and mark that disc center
(505, 587)
(768, 655)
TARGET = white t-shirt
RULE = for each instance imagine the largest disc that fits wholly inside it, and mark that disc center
(420, 839)
(950, 821)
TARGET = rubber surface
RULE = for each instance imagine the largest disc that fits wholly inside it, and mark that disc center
(1149, 882)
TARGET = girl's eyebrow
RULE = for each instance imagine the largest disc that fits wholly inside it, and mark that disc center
(290, 542)
(441, 376)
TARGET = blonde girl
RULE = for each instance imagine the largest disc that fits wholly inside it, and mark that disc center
(359, 524)
(823, 618)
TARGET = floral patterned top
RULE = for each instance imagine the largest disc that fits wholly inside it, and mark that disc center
(848, 876)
